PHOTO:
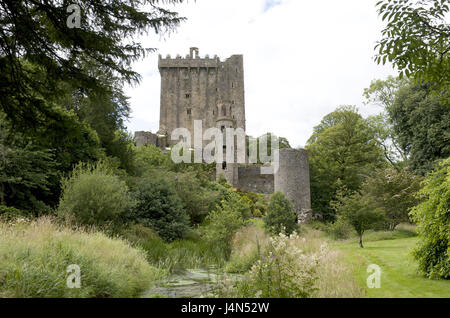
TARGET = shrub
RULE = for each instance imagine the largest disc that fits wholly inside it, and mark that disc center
(35, 256)
(280, 216)
(433, 217)
(284, 271)
(184, 254)
(9, 213)
(198, 200)
(394, 191)
(222, 224)
(94, 195)
(159, 207)
(359, 211)
(248, 244)
(340, 229)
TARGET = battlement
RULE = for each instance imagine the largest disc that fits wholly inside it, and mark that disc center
(192, 60)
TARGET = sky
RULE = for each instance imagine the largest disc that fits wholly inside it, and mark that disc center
(302, 59)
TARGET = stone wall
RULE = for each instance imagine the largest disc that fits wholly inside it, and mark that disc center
(251, 179)
(292, 179)
(192, 89)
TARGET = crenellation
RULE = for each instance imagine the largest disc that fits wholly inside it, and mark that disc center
(206, 89)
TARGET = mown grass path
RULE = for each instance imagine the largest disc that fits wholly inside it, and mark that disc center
(399, 276)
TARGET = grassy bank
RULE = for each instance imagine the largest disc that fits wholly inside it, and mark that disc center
(399, 277)
(34, 256)
(192, 252)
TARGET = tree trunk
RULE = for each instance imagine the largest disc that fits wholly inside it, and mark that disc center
(360, 241)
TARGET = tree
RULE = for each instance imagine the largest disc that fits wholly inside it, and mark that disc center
(94, 195)
(26, 171)
(342, 151)
(432, 217)
(280, 217)
(394, 191)
(159, 207)
(37, 32)
(359, 211)
(383, 93)
(421, 126)
(416, 39)
(221, 225)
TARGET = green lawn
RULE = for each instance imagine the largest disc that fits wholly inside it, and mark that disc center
(398, 269)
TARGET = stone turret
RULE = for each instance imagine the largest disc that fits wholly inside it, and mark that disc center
(292, 179)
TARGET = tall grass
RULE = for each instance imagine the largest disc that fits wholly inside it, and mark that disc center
(189, 253)
(333, 276)
(34, 256)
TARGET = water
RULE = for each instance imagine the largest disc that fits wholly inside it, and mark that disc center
(190, 283)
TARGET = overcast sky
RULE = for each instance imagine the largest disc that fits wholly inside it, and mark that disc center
(302, 59)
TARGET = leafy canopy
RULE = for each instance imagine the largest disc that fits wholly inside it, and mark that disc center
(416, 39)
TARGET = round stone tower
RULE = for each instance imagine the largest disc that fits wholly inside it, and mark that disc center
(292, 179)
(226, 168)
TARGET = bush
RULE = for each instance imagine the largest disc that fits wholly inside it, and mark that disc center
(361, 212)
(189, 253)
(284, 271)
(432, 217)
(10, 213)
(94, 195)
(394, 191)
(340, 229)
(222, 224)
(248, 244)
(280, 217)
(159, 207)
(35, 256)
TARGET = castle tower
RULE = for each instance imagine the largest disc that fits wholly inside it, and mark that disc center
(227, 169)
(192, 87)
(292, 179)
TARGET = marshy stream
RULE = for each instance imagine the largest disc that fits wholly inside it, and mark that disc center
(190, 283)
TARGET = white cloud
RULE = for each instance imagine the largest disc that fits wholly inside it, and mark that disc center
(302, 59)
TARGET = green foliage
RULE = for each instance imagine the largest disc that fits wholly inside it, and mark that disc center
(93, 195)
(35, 257)
(266, 139)
(342, 151)
(192, 252)
(432, 217)
(359, 211)
(148, 158)
(284, 271)
(26, 171)
(280, 217)
(394, 191)
(197, 198)
(8, 213)
(159, 207)
(222, 223)
(340, 229)
(41, 36)
(416, 39)
(421, 124)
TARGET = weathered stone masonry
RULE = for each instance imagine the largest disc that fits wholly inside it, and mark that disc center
(207, 89)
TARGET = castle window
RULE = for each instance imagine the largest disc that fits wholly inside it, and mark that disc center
(232, 102)
(188, 95)
(232, 85)
(188, 111)
(222, 128)
(217, 89)
(224, 165)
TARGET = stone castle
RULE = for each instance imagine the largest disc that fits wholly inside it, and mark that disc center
(207, 89)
